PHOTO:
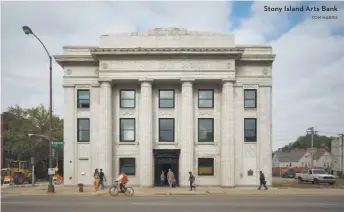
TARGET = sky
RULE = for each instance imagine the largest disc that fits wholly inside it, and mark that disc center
(308, 73)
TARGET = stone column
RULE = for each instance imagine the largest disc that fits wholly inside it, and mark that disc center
(227, 135)
(146, 134)
(105, 132)
(187, 133)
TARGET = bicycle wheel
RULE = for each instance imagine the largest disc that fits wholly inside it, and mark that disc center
(113, 191)
(129, 192)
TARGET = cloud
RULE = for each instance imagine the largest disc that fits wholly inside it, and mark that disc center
(307, 74)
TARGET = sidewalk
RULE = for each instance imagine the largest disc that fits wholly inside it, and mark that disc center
(89, 191)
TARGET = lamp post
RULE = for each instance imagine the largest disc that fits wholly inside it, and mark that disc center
(28, 31)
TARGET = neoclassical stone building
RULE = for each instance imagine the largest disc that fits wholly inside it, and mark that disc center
(168, 98)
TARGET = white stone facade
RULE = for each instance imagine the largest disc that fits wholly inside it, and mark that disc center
(190, 64)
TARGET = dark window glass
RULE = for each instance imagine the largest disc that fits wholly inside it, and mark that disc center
(127, 98)
(166, 130)
(83, 130)
(83, 98)
(166, 98)
(205, 98)
(205, 129)
(250, 127)
(206, 166)
(127, 165)
(127, 129)
(250, 98)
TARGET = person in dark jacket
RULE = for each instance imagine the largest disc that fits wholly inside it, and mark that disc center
(262, 180)
(192, 181)
(101, 178)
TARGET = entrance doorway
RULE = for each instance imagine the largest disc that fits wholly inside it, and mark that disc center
(166, 159)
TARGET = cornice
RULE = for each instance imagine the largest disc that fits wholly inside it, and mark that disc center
(258, 57)
(63, 60)
(159, 51)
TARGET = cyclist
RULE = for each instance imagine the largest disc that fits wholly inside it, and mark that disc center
(123, 180)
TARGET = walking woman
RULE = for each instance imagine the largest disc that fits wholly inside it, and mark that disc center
(96, 179)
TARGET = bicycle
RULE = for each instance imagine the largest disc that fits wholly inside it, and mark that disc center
(115, 190)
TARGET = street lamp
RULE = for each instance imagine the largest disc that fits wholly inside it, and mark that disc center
(27, 30)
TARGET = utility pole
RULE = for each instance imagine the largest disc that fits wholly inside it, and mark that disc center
(312, 132)
(342, 155)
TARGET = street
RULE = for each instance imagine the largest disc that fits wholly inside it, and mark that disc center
(170, 203)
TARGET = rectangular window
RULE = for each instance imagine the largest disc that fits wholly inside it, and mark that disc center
(166, 98)
(127, 165)
(166, 130)
(205, 130)
(205, 98)
(127, 98)
(206, 166)
(127, 129)
(250, 127)
(83, 130)
(83, 98)
(250, 98)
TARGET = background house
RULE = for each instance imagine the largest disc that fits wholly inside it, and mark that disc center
(337, 156)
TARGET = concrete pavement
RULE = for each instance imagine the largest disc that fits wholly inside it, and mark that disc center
(171, 203)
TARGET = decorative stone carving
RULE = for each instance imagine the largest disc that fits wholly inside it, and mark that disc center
(205, 113)
(250, 150)
(170, 65)
(250, 86)
(82, 86)
(69, 71)
(104, 65)
(165, 113)
(265, 71)
(127, 112)
(96, 71)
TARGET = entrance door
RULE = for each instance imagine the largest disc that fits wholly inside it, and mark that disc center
(166, 159)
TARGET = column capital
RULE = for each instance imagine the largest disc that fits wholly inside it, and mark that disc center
(105, 82)
(190, 80)
(146, 82)
(227, 82)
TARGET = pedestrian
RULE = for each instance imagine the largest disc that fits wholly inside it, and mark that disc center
(262, 180)
(192, 181)
(170, 177)
(96, 179)
(102, 178)
(162, 179)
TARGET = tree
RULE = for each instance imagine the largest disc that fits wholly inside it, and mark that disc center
(34, 120)
(304, 142)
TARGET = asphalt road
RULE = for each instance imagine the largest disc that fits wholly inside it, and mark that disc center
(170, 204)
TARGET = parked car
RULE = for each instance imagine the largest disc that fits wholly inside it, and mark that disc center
(288, 174)
(316, 176)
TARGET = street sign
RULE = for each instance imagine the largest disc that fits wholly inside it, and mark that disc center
(51, 171)
(57, 143)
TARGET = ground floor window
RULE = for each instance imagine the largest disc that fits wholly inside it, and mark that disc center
(127, 165)
(206, 166)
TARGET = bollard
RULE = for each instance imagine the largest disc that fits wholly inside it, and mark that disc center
(81, 187)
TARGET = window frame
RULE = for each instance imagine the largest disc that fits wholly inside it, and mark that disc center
(121, 160)
(122, 130)
(255, 98)
(213, 166)
(173, 98)
(121, 98)
(255, 130)
(173, 140)
(78, 130)
(78, 98)
(212, 98)
(198, 130)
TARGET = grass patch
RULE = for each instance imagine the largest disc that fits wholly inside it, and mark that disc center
(292, 183)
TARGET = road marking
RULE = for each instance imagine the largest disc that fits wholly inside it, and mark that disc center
(4, 202)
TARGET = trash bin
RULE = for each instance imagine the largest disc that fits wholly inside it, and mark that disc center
(81, 187)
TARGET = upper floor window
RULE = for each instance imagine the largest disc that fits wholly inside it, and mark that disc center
(166, 98)
(127, 129)
(166, 129)
(250, 129)
(205, 98)
(83, 130)
(83, 98)
(127, 98)
(205, 129)
(250, 98)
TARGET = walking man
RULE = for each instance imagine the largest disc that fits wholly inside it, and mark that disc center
(192, 181)
(262, 181)
(170, 177)
(101, 178)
